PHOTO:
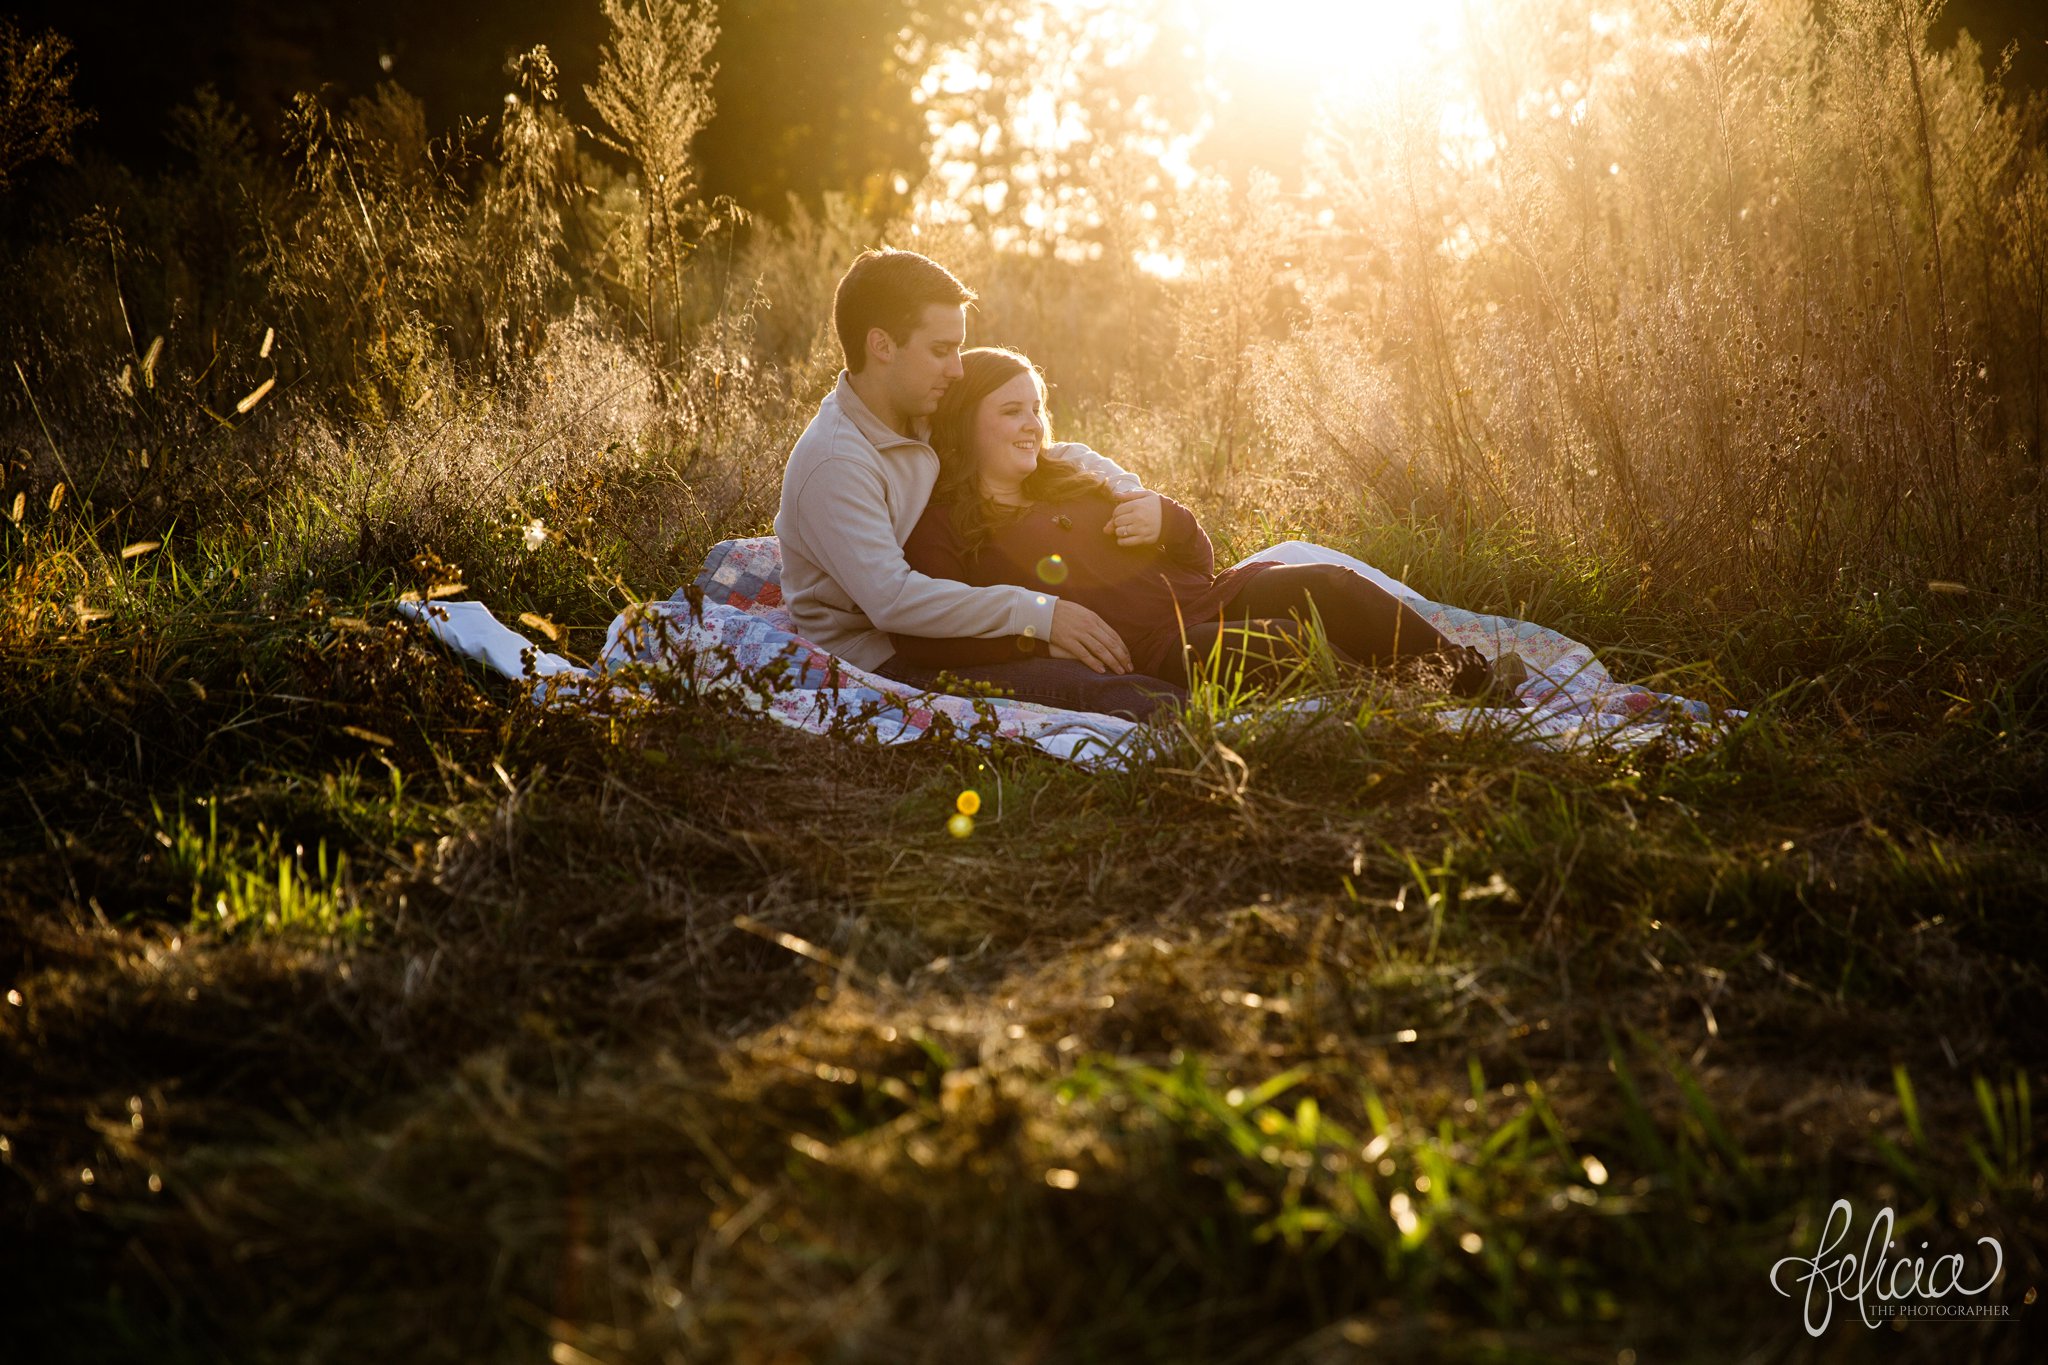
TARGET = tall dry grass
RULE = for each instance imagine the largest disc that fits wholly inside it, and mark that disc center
(417, 329)
(1744, 300)
(1743, 296)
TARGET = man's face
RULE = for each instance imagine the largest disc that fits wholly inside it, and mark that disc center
(920, 370)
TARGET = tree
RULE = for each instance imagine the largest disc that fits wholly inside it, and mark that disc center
(822, 99)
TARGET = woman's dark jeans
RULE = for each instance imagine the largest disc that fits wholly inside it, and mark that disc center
(1066, 683)
(1263, 626)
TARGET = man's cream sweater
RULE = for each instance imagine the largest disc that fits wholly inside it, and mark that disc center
(851, 493)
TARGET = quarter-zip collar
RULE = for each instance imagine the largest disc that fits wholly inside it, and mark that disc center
(879, 433)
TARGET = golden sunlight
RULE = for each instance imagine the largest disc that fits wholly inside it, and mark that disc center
(1332, 43)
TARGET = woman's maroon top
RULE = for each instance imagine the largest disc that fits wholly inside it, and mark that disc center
(1143, 592)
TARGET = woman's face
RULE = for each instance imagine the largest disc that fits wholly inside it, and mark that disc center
(1009, 432)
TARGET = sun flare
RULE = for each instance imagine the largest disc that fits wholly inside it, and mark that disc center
(1330, 43)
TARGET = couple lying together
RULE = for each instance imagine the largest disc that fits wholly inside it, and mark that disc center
(929, 525)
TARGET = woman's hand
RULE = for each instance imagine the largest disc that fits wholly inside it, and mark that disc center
(1138, 519)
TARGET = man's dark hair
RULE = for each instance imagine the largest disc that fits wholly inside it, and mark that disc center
(889, 289)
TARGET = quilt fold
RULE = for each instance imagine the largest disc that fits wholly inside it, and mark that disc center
(740, 630)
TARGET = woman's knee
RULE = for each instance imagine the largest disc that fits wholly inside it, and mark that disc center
(1297, 585)
(1335, 580)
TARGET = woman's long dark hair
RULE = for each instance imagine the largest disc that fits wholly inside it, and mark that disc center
(984, 370)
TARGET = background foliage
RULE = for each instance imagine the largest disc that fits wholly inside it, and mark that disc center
(356, 1002)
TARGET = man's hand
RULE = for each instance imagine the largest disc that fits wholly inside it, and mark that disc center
(1078, 633)
(1138, 520)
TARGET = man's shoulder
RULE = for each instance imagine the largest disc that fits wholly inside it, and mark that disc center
(830, 451)
(832, 434)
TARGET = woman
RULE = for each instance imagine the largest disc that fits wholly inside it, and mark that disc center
(1000, 515)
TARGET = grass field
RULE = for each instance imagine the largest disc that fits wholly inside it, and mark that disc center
(360, 1007)
(356, 1008)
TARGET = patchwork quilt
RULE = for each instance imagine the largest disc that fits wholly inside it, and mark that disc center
(729, 628)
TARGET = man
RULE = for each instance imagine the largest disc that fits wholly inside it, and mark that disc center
(859, 477)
